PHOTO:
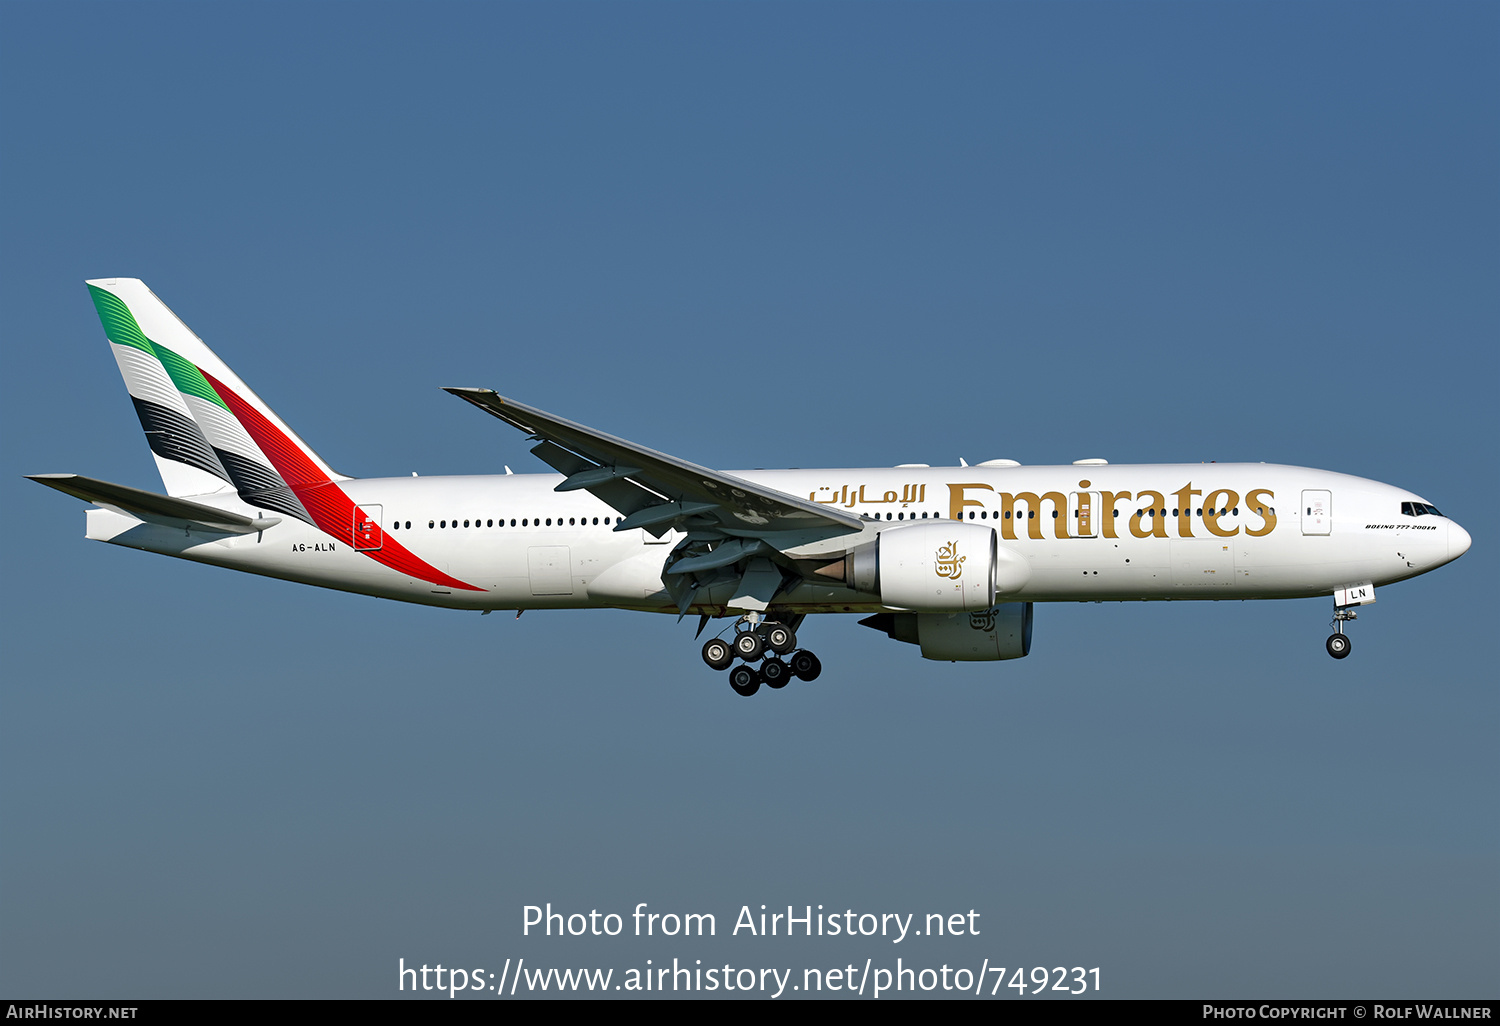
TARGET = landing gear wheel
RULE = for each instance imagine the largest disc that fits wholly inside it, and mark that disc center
(1338, 645)
(717, 653)
(806, 665)
(775, 673)
(748, 646)
(745, 680)
(780, 639)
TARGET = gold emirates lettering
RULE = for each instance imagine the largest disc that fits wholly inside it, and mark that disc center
(1148, 515)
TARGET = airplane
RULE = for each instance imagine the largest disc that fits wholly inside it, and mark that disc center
(950, 559)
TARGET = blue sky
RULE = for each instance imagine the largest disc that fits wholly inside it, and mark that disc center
(753, 235)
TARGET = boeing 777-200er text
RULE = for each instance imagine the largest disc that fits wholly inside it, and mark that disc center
(947, 558)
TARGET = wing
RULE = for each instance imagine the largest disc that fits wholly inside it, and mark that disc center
(733, 527)
(656, 491)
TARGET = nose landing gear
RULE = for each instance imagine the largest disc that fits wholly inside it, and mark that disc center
(1338, 644)
(765, 641)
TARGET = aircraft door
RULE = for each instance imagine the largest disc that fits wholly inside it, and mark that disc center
(366, 533)
(1085, 514)
(551, 570)
(1317, 511)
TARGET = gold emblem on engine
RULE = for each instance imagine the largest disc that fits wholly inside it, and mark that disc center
(949, 563)
(984, 621)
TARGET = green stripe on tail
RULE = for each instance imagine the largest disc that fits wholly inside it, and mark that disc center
(120, 327)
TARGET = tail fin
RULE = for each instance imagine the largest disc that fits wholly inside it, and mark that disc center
(207, 430)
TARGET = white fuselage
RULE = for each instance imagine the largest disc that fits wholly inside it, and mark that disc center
(1204, 531)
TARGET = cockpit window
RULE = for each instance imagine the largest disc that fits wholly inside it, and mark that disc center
(1419, 509)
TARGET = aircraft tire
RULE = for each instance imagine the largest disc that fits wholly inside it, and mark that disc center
(1338, 645)
(775, 673)
(717, 653)
(780, 639)
(748, 646)
(745, 680)
(806, 665)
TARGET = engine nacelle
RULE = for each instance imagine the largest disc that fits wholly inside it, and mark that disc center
(1003, 632)
(940, 566)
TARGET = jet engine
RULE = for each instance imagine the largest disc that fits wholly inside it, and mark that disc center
(941, 566)
(1003, 632)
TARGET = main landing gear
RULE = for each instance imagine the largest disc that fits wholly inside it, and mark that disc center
(767, 643)
(1338, 644)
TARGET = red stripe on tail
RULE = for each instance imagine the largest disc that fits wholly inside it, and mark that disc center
(331, 509)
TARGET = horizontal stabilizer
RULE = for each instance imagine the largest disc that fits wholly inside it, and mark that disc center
(150, 506)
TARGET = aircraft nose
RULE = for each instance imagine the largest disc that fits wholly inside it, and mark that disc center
(1458, 540)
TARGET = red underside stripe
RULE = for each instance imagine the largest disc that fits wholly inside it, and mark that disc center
(331, 509)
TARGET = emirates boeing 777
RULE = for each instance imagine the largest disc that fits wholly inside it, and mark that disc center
(947, 558)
